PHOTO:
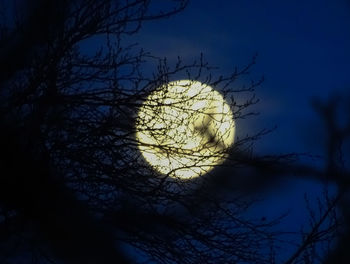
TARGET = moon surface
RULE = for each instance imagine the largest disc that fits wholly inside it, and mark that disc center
(184, 129)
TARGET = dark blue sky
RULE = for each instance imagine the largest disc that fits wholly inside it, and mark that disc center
(303, 49)
(304, 52)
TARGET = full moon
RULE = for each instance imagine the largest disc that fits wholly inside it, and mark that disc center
(184, 129)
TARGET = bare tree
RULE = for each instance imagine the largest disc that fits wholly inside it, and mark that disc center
(74, 187)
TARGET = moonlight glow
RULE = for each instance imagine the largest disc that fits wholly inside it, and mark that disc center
(184, 129)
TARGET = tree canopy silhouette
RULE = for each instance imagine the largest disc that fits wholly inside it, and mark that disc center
(74, 187)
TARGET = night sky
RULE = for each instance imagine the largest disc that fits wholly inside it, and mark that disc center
(303, 53)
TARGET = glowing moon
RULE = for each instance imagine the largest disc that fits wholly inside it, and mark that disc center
(184, 129)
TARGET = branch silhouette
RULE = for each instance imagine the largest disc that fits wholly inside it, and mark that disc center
(74, 187)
